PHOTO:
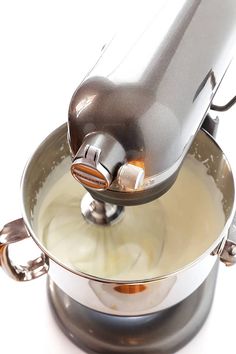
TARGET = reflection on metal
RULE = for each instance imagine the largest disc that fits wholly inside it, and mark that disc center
(134, 299)
(12, 232)
(164, 331)
(130, 289)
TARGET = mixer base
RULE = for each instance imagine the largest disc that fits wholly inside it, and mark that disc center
(163, 332)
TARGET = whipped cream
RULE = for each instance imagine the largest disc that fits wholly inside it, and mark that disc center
(150, 240)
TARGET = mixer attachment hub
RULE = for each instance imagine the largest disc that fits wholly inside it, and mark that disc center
(96, 162)
(100, 213)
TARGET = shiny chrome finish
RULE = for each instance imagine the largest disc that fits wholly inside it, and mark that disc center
(13, 232)
(152, 88)
(156, 294)
(97, 160)
(159, 332)
(100, 213)
(88, 171)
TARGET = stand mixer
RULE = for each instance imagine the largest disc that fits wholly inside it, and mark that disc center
(131, 123)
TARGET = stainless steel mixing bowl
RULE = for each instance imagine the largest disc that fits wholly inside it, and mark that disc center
(117, 297)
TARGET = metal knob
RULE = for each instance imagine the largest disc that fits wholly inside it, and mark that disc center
(97, 161)
(89, 171)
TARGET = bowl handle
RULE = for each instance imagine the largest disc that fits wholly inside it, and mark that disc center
(227, 249)
(13, 232)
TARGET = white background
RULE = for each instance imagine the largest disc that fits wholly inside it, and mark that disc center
(46, 47)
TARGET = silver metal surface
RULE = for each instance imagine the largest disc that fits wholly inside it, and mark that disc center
(97, 161)
(132, 297)
(160, 332)
(152, 88)
(12, 232)
(100, 213)
(87, 170)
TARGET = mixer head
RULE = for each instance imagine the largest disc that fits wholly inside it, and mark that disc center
(135, 115)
